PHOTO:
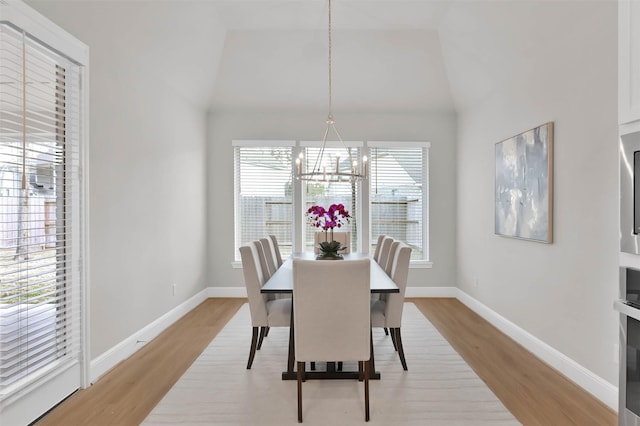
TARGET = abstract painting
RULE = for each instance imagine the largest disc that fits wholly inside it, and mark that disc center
(524, 185)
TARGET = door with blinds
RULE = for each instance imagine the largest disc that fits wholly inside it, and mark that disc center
(41, 226)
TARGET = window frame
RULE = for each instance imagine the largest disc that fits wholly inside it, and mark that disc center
(425, 262)
(356, 211)
(255, 143)
(363, 200)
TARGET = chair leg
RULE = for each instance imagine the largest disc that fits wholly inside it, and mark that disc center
(366, 390)
(263, 332)
(267, 332)
(400, 349)
(372, 359)
(300, 374)
(386, 331)
(252, 351)
(393, 339)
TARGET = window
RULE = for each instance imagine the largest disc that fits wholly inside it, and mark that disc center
(327, 193)
(398, 188)
(41, 226)
(263, 193)
(269, 200)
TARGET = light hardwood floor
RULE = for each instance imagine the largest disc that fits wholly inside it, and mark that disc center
(531, 390)
(535, 393)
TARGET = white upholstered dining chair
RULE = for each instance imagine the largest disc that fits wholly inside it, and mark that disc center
(276, 250)
(376, 253)
(392, 252)
(273, 259)
(384, 242)
(384, 251)
(265, 312)
(262, 260)
(389, 254)
(267, 271)
(387, 312)
(331, 316)
(270, 256)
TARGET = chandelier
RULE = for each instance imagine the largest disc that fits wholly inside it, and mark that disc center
(335, 169)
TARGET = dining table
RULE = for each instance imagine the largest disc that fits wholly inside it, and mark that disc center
(281, 282)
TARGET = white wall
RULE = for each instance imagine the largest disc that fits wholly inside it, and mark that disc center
(147, 181)
(539, 62)
(512, 65)
(437, 128)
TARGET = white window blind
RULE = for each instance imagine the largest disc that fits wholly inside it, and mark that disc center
(40, 212)
(398, 194)
(326, 193)
(263, 193)
(397, 198)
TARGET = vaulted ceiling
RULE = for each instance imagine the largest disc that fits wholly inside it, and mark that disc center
(385, 55)
(391, 55)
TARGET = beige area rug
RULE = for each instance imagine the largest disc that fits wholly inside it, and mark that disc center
(439, 388)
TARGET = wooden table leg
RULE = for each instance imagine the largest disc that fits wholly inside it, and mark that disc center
(292, 354)
(372, 365)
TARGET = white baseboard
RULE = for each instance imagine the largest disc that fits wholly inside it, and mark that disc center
(592, 383)
(123, 350)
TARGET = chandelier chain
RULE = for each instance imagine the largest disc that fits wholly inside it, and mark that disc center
(330, 79)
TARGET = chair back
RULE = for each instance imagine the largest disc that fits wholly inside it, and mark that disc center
(343, 237)
(276, 250)
(384, 252)
(331, 310)
(399, 274)
(390, 259)
(254, 279)
(262, 260)
(376, 253)
(270, 257)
